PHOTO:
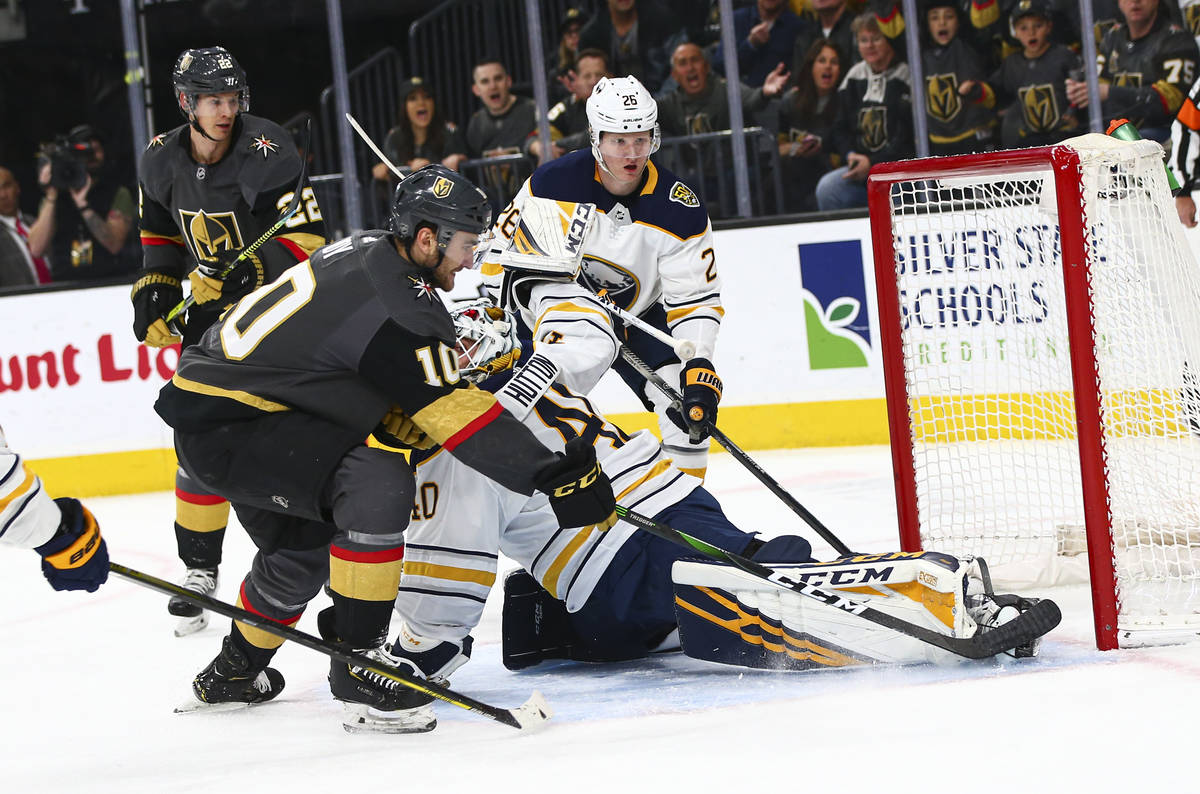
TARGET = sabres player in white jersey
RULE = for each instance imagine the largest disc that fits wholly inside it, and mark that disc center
(591, 595)
(62, 531)
(650, 248)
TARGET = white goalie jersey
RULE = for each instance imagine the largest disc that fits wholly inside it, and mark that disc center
(462, 520)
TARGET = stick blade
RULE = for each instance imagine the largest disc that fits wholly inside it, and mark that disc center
(533, 714)
(1035, 622)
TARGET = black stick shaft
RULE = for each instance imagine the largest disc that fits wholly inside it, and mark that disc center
(504, 716)
(740, 455)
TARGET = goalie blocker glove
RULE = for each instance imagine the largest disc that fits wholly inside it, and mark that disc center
(76, 557)
(243, 277)
(153, 295)
(580, 492)
(701, 391)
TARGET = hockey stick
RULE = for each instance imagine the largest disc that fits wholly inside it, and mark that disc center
(1026, 627)
(533, 713)
(739, 454)
(684, 348)
(291, 209)
(370, 143)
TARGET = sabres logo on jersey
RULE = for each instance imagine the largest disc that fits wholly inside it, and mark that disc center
(157, 140)
(206, 233)
(422, 287)
(442, 187)
(264, 144)
(620, 284)
(682, 194)
(872, 125)
(1040, 106)
(943, 99)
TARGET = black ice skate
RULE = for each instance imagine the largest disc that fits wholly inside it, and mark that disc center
(374, 703)
(230, 679)
(192, 617)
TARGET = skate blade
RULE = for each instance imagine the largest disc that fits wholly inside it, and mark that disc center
(198, 707)
(191, 625)
(360, 718)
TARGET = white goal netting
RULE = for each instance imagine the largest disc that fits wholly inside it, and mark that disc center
(987, 365)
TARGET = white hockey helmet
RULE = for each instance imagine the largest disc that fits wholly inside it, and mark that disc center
(621, 104)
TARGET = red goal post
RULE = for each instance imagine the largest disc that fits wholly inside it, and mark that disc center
(1040, 317)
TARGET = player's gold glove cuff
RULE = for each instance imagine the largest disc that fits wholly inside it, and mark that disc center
(205, 288)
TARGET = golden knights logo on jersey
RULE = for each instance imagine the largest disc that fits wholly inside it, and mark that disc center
(872, 126)
(1191, 18)
(697, 124)
(208, 233)
(1040, 106)
(1130, 79)
(943, 99)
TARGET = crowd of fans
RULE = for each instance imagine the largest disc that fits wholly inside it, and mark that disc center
(829, 79)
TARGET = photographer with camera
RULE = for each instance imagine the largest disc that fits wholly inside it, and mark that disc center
(86, 214)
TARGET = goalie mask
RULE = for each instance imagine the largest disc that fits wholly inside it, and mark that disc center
(621, 105)
(211, 70)
(487, 339)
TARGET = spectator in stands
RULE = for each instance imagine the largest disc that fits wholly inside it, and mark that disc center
(828, 19)
(806, 117)
(18, 268)
(637, 36)
(957, 123)
(874, 117)
(568, 119)
(1032, 84)
(701, 102)
(421, 135)
(560, 62)
(1147, 65)
(765, 33)
(505, 120)
(85, 231)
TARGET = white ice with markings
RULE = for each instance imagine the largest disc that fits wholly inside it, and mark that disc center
(89, 683)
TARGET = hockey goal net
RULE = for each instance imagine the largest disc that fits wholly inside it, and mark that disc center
(1040, 316)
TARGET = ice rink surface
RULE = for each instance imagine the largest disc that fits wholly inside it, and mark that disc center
(90, 680)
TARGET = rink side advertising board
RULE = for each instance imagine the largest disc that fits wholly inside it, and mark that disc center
(799, 355)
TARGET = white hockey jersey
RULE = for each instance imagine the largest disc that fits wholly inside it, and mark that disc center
(28, 516)
(462, 520)
(652, 248)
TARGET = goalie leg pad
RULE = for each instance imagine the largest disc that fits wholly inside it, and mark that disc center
(731, 617)
(534, 625)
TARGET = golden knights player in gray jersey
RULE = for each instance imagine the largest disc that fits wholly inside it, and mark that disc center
(272, 410)
(1147, 62)
(210, 188)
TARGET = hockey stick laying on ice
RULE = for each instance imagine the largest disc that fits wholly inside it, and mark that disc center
(1026, 627)
(738, 453)
(532, 714)
(292, 208)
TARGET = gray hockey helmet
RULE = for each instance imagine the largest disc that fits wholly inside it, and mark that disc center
(442, 198)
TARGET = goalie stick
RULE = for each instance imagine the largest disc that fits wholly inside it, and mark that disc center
(291, 209)
(739, 454)
(1026, 627)
(533, 713)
